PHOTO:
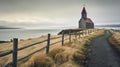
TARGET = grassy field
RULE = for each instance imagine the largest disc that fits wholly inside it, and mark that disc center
(72, 54)
(115, 39)
(21, 53)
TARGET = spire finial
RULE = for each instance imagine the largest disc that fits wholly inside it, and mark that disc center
(84, 5)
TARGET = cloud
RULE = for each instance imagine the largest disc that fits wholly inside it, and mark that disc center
(35, 5)
(56, 12)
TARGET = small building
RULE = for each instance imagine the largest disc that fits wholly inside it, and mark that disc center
(84, 22)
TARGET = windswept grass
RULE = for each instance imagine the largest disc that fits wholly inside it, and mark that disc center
(72, 54)
(8, 46)
(115, 39)
(39, 60)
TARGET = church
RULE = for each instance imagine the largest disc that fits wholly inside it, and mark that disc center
(85, 22)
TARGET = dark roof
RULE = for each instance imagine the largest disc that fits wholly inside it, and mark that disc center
(88, 20)
(66, 31)
(84, 11)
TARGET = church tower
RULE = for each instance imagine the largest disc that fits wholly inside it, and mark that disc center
(85, 22)
(84, 13)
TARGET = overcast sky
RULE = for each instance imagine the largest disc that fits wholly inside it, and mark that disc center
(56, 13)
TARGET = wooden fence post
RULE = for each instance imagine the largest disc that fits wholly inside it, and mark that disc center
(88, 31)
(84, 32)
(48, 44)
(91, 31)
(69, 36)
(62, 38)
(75, 35)
(15, 47)
(79, 34)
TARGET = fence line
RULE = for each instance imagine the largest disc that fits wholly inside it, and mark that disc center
(26, 46)
(5, 53)
(48, 44)
(55, 37)
(19, 59)
(15, 46)
(62, 38)
(21, 48)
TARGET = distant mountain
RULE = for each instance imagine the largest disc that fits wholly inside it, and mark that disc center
(5, 27)
(110, 25)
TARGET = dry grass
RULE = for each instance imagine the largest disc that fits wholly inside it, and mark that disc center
(70, 55)
(57, 57)
(40, 60)
(115, 39)
(8, 46)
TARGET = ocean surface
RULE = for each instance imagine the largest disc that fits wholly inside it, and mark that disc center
(7, 34)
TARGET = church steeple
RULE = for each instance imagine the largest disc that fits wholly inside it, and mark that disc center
(85, 22)
(84, 13)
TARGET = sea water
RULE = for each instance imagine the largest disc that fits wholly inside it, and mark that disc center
(7, 34)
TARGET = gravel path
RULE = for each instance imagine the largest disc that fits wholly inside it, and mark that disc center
(102, 55)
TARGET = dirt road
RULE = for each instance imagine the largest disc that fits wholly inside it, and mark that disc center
(102, 54)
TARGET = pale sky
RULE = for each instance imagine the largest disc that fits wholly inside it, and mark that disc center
(57, 13)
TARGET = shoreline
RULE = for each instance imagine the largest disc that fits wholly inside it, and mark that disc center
(8, 34)
(4, 42)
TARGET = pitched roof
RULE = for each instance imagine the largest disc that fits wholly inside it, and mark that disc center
(84, 11)
(88, 20)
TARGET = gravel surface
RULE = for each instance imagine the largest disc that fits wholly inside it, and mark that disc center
(102, 54)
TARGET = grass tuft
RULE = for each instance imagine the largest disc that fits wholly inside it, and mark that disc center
(115, 39)
(39, 61)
